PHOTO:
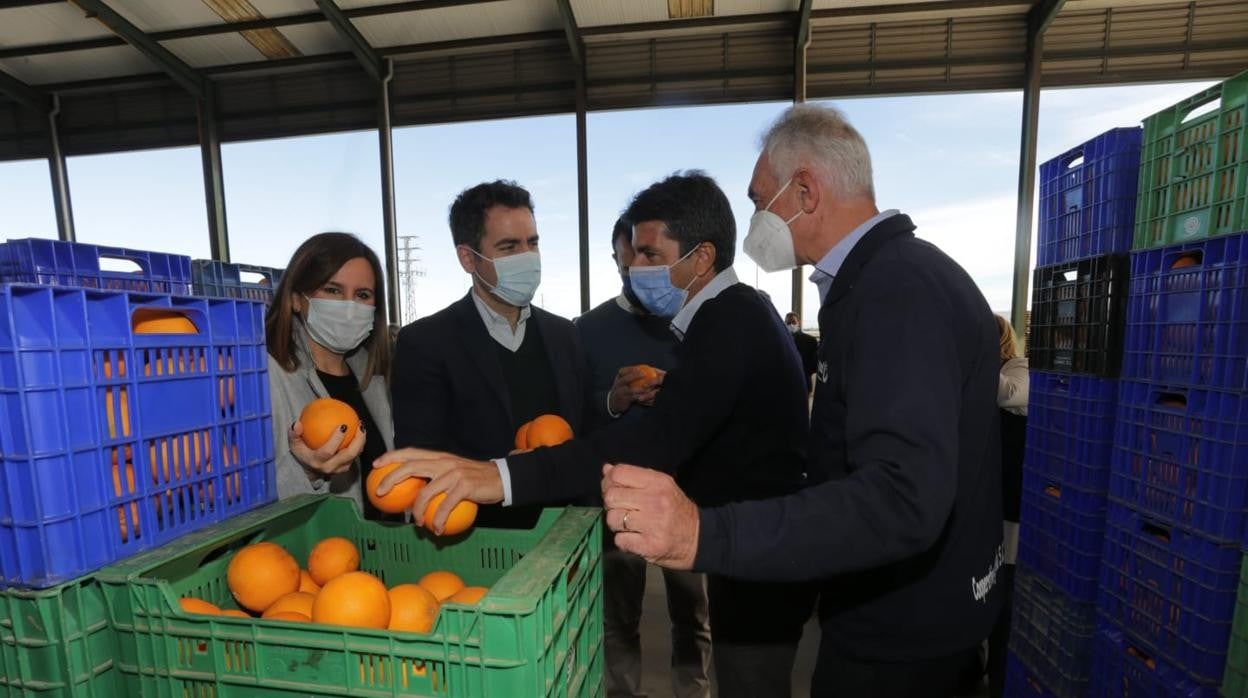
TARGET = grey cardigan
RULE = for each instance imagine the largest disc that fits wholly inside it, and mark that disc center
(290, 392)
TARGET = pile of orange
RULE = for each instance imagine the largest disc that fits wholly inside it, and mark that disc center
(402, 496)
(266, 580)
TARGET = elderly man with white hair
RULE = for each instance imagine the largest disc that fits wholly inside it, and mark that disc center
(900, 523)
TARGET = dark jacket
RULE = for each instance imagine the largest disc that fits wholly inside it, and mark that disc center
(808, 350)
(904, 528)
(448, 389)
(730, 421)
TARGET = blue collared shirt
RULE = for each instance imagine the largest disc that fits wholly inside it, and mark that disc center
(827, 268)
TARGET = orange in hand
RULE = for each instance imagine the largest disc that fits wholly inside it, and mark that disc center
(648, 375)
(400, 497)
(461, 518)
(322, 417)
(546, 430)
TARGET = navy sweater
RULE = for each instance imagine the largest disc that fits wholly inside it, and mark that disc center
(613, 338)
(903, 525)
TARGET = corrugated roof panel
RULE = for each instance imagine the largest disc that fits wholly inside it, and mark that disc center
(907, 41)
(314, 39)
(449, 24)
(78, 65)
(1148, 26)
(994, 36)
(618, 59)
(728, 8)
(278, 8)
(22, 134)
(219, 49)
(45, 24)
(160, 15)
(757, 50)
(598, 13)
(115, 120)
(1220, 21)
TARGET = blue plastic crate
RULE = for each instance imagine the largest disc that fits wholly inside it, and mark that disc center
(58, 263)
(225, 279)
(1052, 635)
(1181, 455)
(1070, 428)
(1173, 591)
(99, 459)
(1187, 314)
(1021, 682)
(1078, 312)
(1122, 668)
(1087, 198)
(1060, 535)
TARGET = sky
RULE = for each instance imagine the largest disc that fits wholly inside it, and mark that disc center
(949, 161)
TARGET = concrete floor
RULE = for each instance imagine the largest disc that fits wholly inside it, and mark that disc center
(656, 646)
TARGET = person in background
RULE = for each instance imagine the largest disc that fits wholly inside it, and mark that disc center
(326, 336)
(618, 335)
(467, 377)
(900, 523)
(807, 349)
(1012, 395)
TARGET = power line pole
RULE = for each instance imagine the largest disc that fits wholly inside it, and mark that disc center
(410, 270)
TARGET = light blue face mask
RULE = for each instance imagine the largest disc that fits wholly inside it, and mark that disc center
(653, 287)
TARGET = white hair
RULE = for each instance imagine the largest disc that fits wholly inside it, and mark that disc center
(821, 139)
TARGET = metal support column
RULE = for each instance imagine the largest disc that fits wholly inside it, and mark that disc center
(1039, 18)
(582, 183)
(390, 227)
(60, 177)
(801, 43)
(214, 179)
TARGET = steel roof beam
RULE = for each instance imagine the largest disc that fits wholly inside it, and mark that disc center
(364, 52)
(1043, 13)
(31, 98)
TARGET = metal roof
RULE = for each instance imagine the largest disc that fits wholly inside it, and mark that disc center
(280, 67)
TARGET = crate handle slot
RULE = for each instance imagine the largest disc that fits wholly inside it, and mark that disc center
(1176, 400)
(258, 278)
(1073, 159)
(1201, 105)
(1053, 491)
(1155, 531)
(114, 262)
(164, 320)
(1185, 259)
(1143, 656)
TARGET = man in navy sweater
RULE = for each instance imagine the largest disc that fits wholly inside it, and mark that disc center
(730, 422)
(901, 522)
(618, 336)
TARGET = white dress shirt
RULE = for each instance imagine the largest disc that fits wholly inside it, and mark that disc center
(499, 327)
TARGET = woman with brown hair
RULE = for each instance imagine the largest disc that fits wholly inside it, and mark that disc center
(327, 336)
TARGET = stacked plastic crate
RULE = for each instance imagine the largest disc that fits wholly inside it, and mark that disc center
(230, 280)
(1078, 307)
(113, 441)
(1179, 474)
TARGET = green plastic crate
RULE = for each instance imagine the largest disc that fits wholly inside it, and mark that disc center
(57, 642)
(1194, 175)
(1235, 679)
(538, 632)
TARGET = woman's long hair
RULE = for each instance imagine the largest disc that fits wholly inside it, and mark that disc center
(312, 266)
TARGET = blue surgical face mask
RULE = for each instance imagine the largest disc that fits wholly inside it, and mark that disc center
(653, 287)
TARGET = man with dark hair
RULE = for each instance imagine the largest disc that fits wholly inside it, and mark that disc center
(620, 336)
(730, 422)
(467, 377)
(807, 348)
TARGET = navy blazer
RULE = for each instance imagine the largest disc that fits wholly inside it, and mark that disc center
(447, 385)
